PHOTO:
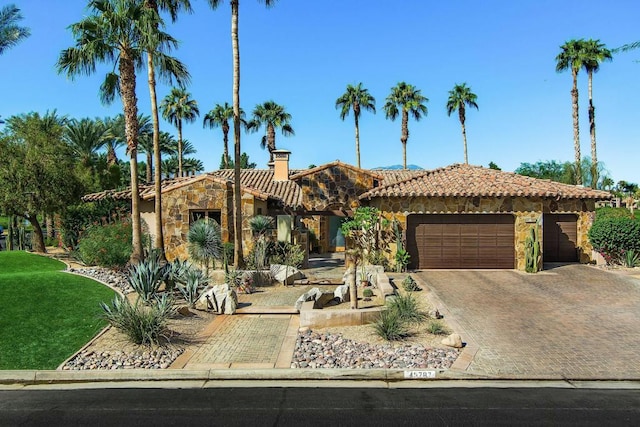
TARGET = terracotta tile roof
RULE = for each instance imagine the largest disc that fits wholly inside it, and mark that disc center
(301, 173)
(460, 180)
(261, 181)
(144, 189)
(389, 176)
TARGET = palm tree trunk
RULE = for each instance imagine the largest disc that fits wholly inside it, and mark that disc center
(129, 102)
(576, 128)
(461, 115)
(592, 131)
(357, 140)
(158, 243)
(225, 138)
(148, 167)
(271, 140)
(180, 148)
(238, 260)
(404, 137)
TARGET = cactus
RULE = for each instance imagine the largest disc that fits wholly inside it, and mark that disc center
(532, 251)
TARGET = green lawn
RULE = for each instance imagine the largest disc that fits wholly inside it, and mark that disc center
(45, 314)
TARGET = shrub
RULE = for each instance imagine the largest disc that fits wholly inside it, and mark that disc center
(390, 326)
(287, 254)
(377, 257)
(613, 236)
(146, 277)
(106, 245)
(142, 324)
(402, 260)
(227, 252)
(407, 308)
(610, 212)
(436, 327)
(409, 284)
(367, 293)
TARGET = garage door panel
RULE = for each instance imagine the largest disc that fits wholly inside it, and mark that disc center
(461, 241)
(560, 236)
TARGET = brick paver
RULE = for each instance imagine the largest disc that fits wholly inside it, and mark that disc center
(244, 339)
(570, 321)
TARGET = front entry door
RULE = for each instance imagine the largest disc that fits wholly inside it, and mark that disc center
(336, 238)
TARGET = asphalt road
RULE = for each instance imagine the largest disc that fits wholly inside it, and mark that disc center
(317, 407)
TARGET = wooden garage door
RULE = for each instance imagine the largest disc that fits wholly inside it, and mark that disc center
(560, 237)
(461, 241)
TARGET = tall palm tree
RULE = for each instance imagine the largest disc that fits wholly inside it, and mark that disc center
(405, 99)
(10, 32)
(356, 98)
(118, 32)
(178, 106)
(461, 97)
(572, 57)
(272, 116)
(168, 69)
(145, 141)
(146, 146)
(219, 116)
(595, 53)
(238, 259)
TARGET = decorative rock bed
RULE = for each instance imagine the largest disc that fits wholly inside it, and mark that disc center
(113, 278)
(159, 358)
(315, 350)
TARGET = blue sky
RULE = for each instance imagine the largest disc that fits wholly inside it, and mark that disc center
(302, 54)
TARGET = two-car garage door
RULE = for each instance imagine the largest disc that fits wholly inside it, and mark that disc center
(461, 241)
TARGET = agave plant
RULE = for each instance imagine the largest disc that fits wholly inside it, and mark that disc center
(194, 281)
(175, 272)
(204, 242)
(146, 277)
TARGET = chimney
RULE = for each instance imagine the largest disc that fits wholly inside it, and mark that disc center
(281, 165)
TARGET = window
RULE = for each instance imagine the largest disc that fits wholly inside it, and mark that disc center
(196, 215)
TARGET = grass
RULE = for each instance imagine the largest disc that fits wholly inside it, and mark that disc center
(45, 315)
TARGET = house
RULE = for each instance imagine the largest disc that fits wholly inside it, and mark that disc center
(459, 216)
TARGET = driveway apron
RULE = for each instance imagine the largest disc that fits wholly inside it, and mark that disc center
(571, 321)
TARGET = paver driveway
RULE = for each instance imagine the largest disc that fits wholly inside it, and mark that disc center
(571, 321)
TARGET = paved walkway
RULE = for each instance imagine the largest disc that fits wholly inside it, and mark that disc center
(264, 331)
(570, 321)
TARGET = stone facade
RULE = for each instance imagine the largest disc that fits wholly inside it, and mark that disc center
(334, 187)
(527, 211)
(202, 195)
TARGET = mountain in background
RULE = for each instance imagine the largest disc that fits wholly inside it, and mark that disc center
(394, 167)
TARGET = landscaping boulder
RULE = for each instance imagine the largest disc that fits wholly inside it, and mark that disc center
(453, 340)
(217, 298)
(311, 295)
(342, 293)
(285, 274)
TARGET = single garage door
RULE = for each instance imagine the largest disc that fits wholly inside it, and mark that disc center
(560, 237)
(461, 241)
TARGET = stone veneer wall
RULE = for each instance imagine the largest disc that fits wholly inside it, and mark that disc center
(201, 195)
(333, 188)
(527, 211)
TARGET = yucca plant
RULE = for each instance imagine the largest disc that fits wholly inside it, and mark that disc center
(390, 326)
(146, 277)
(194, 281)
(407, 308)
(204, 242)
(142, 324)
(260, 224)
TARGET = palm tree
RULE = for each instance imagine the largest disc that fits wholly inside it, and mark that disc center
(238, 259)
(10, 32)
(168, 68)
(145, 143)
(219, 117)
(356, 98)
(595, 53)
(85, 137)
(177, 107)
(272, 116)
(405, 99)
(461, 97)
(146, 146)
(572, 57)
(118, 32)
